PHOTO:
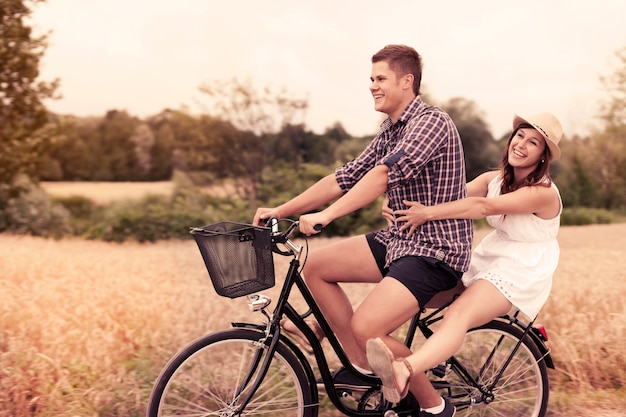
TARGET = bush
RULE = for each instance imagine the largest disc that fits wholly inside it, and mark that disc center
(81, 209)
(157, 217)
(579, 216)
(148, 220)
(27, 209)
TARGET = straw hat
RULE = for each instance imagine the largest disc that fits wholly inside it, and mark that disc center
(548, 126)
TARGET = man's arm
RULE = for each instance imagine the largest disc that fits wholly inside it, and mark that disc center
(320, 193)
(368, 189)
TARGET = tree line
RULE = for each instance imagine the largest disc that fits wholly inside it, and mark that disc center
(122, 147)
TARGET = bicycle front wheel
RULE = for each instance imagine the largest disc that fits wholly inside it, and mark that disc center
(211, 376)
(522, 389)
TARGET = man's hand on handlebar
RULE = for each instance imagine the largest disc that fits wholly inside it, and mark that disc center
(313, 223)
(263, 214)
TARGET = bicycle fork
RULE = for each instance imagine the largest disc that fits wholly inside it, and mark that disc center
(257, 303)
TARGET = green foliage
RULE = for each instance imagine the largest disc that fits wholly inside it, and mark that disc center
(116, 150)
(148, 220)
(579, 216)
(157, 217)
(27, 209)
(81, 210)
(75, 153)
(283, 183)
(614, 109)
(349, 149)
(481, 151)
(593, 171)
(22, 113)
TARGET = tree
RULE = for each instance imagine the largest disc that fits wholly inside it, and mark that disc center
(22, 112)
(143, 139)
(257, 114)
(613, 112)
(117, 152)
(260, 111)
(481, 150)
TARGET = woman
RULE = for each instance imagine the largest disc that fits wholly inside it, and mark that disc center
(511, 267)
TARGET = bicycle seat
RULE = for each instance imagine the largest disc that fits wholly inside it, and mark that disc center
(444, 297)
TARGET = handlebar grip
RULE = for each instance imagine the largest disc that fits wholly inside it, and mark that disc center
(272, 222)
(318, 227)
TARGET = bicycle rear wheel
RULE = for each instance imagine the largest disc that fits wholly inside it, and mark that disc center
(523, 388)
(211, 376)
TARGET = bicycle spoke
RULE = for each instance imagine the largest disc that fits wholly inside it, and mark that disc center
(521, 389)
(213, 378)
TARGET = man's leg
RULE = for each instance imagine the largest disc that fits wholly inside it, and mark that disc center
(348, 260)
(387, 307)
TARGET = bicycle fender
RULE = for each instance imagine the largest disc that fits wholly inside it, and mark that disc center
(545, 351)
(248, 325)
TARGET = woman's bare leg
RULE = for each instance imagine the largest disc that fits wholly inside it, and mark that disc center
(479, 304)
(476, 306)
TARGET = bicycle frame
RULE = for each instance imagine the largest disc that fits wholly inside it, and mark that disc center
(273, 332)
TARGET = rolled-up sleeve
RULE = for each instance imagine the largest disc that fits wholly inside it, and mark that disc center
(424, 140)
(350, 173)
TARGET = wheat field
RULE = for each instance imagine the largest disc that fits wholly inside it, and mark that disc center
(85, 326)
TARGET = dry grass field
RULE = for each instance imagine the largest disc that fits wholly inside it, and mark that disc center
(104, 192)
(85, 326)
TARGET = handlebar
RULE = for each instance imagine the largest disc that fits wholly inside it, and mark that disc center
(283, 237)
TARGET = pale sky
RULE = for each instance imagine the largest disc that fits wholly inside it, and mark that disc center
(509, 57)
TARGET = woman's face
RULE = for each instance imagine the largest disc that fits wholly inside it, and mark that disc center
(526, 148)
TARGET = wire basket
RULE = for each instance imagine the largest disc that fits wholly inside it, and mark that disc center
(237, 256)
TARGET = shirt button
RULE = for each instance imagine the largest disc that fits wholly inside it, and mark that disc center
(440, 255)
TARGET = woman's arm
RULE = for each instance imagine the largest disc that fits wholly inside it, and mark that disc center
(479, 186)
(541, 201)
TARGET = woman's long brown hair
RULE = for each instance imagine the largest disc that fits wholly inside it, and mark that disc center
(539, 176)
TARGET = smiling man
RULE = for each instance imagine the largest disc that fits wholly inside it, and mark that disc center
(416, 156)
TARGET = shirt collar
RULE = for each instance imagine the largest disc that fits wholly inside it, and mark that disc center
(413, 108)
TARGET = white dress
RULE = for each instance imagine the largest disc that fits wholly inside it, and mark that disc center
(519, 257)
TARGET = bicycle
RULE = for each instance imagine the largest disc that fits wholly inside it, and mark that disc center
(254, 369)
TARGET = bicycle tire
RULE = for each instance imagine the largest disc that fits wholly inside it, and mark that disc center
(522, 390)
(203, 377)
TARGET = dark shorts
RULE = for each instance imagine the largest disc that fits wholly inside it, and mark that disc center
(422, 275)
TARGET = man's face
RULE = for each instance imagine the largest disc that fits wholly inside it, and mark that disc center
(387, 90)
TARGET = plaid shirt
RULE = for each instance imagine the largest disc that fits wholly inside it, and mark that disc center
(424, 154)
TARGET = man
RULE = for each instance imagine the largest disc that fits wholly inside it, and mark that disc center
(416, 156)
